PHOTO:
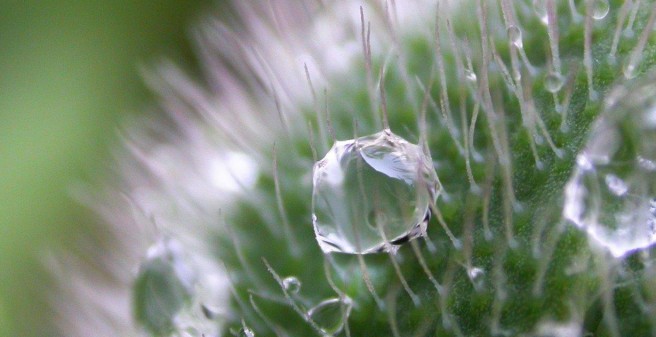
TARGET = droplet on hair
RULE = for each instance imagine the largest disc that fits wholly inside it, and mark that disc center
(600, 9)
(515, 36)
(372, 194)
(553, 82)
(470, 75)
(291, 284)
(331, 314)
(611, 191)
(540, 9)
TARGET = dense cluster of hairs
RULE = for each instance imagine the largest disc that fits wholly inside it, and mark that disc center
(501, 93)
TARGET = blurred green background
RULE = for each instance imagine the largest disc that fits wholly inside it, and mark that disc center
(69, 72)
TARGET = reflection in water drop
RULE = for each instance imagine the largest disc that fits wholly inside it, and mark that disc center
(291, 284)
(515, 36)
(540, 8)
(616, 185)
(162, 286)
(600, 9)
(476, 276)
(573, 328)
(470, 75)
(553, 82)
(331, 314)
(610, 194)
(371, 190)
(246, 332)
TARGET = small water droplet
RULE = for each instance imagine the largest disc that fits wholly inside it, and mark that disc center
(540, 9)
(162, 286)
(476, 276)
(600, 9)
(629, 69)
(291, 284)
(646, 164)
(616, 185)
(370, 189)
(246, 332)
(611, 191)
(331, 314)
(553, 82)
(470, 75)
(515, 36)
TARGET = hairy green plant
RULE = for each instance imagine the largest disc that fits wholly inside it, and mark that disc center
(539, 121)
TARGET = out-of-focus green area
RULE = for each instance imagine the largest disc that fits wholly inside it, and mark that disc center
(68, 74)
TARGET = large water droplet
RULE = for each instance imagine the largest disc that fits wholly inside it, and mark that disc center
(515, 36)
(540, 8)
(553, 82)
(371, 194)
(610, 194)
(600, 9)
(291, 284)
(331, 314)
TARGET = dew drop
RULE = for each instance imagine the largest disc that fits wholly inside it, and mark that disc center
(246, 332)
(369, 190)
(331, 314)
(540, 8)
(162, 286)
(291, 284)
(553, 82)
(600, 9)
(629, 69)
(515, 36)
(610, 194)
(470, 75)
(616, 185)
(476, 276)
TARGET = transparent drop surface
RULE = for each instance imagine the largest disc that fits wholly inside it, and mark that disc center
(611, 192)
(331, 314)
(470, 75)
(553, 82)
(246, 332)
(161, 288)
(291, 284)
(515, 36)
(540, 8)
(600, 9)
(371, 194)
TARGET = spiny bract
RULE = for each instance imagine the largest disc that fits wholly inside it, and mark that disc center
(501, 94)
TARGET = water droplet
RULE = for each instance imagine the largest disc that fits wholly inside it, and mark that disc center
(553, 82)
(331, 314)
(476, 276)
(370, 189)
(540, 9)
(616, 185)
(515, 36)
(629, 69)
(646, 164)
(246, 332)
(610, 194)
(470, 75)
(600, 9)
(549, 328)
(291, 284)
(162, 287)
